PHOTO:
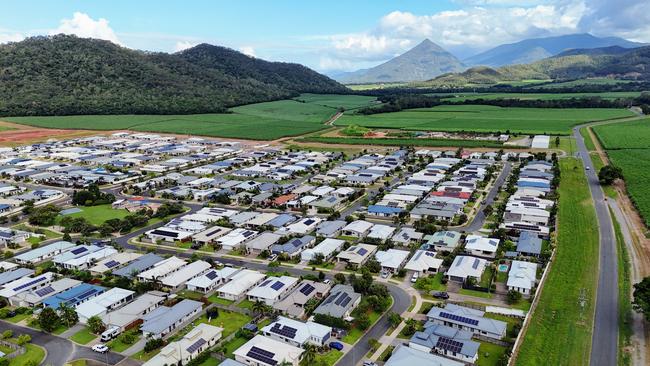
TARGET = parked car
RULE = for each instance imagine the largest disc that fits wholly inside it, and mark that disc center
(384, 274)
(369, 363)
(440, 295)
(327, 281)
(337, 346)
(101, 348)
(415, 277)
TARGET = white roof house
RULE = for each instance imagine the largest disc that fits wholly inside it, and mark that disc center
(239, 284)
(198, 340)
(236, 238)
(263, 242)
(465, 266)
(162, 269)
(392, 259)
(26, 284)
(272, 289)
(423, 262)
(358, 228)
(522, 276)
(381, 232)
(297, 333)
(88, 260)
(114, 261)
(326, 247)
(481, 246)
(211, 279)
(178, 278)
(103, 303)
(131, 312)
(264, 351)
(35, 296)
(210, 235)
(303, 226)
(164, 319)
(357, 254)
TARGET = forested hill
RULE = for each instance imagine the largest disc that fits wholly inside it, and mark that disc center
(64, 75)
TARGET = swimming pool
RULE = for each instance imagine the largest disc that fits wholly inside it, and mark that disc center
(503, 268)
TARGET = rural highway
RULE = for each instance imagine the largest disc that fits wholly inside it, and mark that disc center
(604, 343)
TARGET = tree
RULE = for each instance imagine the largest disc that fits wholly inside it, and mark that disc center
(340, 278)
(394, 319)
(48, 320)
(609, 173)
(259, 307)
(310, 353)
(68, 315)
(641, 296)
(7, 334)
(23, 339)
(362, 321)
(95, 324)
(321, 275)
(373, 343)
(513, 297)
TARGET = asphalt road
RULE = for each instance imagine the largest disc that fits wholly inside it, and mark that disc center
(479, 219)
(61, 350)
(605, 337)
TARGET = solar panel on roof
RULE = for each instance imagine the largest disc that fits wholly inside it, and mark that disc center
(78, 250)
(345, 302)
(111, 264)
(309, 221)
(265, 283)
(196, 345)
(261, 355)
(44, 291)
(449, 344)
(211, 275)
(449, 234)
(30, 283)
(340, 299)
(277, 285)
(475, 264)
(87, 294)
(307, 289)
(459, 318)
(362, 251)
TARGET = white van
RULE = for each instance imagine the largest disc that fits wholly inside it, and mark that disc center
(110, 333)
(415, 277)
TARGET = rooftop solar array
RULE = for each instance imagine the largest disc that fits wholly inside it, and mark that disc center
(87, 294)
(111, 264)
(196, 345)
(277, 285)
(362, 251)
(309, 222)
(262, 355)
(341, 299)
(30, 283)
(459, 318)
(211, 275)
(307, 289)
(79, 250)
(449, 344)
(476, 262)
(265, 283)
(284, 331)
(44, 291)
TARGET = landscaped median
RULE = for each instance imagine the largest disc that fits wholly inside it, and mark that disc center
(560, 330)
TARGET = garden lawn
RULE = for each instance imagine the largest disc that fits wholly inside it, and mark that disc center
(18, 318)
(83, 336)
(489, 353)
(233, 344)
(145, 356)
(217, 300)
(245, 304)
(33, 355)
(328, 358)
(116, 345)
(482, 118)
(560, 330)
(96, 215)
(431, 283)
(228, 320)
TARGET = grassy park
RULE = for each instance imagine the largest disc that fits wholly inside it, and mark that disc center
(561, 328)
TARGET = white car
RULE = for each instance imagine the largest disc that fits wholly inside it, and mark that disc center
(101, 348)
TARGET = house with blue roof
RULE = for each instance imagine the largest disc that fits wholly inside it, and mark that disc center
(293, 246)
(384, 211)
(529, 244)
(74, 296)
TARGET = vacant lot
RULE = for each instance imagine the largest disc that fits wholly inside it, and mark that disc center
(560, 330)
(261, 121)
(485, 119)
(96, 215)
(628, 147)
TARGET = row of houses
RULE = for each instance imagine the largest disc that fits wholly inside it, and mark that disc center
(364, 170)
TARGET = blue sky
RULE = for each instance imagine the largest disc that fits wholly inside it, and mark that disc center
(325, 35)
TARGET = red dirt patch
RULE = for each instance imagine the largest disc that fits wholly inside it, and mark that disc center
(29, 135)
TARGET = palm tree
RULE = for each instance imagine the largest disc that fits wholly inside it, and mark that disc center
(259, 307)
(310, 354)
(68, 315)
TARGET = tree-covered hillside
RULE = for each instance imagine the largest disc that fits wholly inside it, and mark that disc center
(65, 75)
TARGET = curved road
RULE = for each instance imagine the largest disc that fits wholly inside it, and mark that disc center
(604, 344)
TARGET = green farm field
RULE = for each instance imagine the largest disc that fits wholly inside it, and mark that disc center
(402, 142)
(560, 330)
(481, 118)
(538, 96)
(261, 121)
(628, 147)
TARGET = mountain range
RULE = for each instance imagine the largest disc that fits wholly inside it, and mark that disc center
(424, 61)
(428, 60)
(63, 74)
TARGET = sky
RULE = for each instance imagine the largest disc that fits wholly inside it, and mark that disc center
(326, 35)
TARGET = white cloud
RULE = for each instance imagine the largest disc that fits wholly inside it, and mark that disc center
(11, 37)
(247, 50)
(183, 45)
(83, 25)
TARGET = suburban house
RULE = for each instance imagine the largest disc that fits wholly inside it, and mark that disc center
(210, 280)
(264, 351)
(442, 240)
(164, 319)
(293, 246)
(392, 260)
(239, 284)
(467, 319)
(423, 262)
(340, 302)
(357, 229)
(36, 296)
(25, 284)
(297, 333)
(403, 355)
(162, 269)
(326, 248)
(177, 279)
(272, 290)
(138, 266)
(330, 229)
(481, 246)
(43, 253)
(451, 342)
(357, 254)
(262, 242)
(522, 276)
(14, 274)
(294, 303)
(529, 244)
(236, 238)
(103, 303)
(74, 296)
(210, 235)
(464, 267)
(114, 262)
(199, 339)
(129, 315)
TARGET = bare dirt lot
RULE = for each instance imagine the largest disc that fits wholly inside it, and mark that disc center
(20, 134)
